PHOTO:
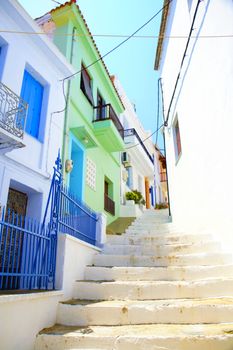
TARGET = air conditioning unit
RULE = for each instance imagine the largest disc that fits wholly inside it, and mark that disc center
(126, 160)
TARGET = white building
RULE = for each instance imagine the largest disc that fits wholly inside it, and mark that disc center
(140, 161)
(31, 67)
(198, 95)
(26, 165)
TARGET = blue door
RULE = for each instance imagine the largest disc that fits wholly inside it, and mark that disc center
(32, 93)
(77, 174)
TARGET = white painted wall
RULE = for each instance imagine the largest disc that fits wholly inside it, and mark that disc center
(72, 257)
(201, 188)
(141, 165)
(23, 316)
(32, 165)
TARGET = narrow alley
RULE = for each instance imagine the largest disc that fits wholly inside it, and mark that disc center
(153, 287)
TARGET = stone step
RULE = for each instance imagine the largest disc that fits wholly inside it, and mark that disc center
(154, 223)
(151, 225)
(138, 337)
(117, 313)
(152, 231)
(152, 290)
(161, 250)
(158, 239)
(170, 273)
(170, 260)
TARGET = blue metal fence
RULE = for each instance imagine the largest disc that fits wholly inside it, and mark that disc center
(76, 218)
(27, 253)
(28, 248)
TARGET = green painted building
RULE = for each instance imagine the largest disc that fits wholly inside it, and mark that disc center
(93, 134)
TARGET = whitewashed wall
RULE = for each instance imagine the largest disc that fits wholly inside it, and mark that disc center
(201, 188)
(31, 166)
(141, 164)
(23, 316)
(72, 257)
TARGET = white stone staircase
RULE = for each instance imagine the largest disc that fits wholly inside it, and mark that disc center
(152, 288)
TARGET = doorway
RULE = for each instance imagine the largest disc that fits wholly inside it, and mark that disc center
(77, 174)
(17, 202)
(11, 245)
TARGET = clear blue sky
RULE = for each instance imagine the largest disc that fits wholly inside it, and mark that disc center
(133, 63)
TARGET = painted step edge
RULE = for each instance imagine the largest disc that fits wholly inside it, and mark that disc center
(153, 337)
(109, 313)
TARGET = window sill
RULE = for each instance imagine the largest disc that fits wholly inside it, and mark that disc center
(178, 158)
(34, 137)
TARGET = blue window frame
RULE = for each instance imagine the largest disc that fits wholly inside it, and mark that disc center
(3, 52)
(32, 92)
(129, 182)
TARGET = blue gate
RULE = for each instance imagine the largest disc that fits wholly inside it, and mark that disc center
(28, 248)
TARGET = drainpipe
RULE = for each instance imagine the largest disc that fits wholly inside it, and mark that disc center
(65, 127)
(168, 195)
(164, 144)
(147, 193)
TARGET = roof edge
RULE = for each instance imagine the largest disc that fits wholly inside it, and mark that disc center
(70, 3)
(161, 33)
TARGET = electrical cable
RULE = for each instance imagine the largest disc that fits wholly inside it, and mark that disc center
(121, 43)
(158, 108)
(146, 137)
(106, 54)
(182, 62)
(164, 147)
(214, 36)
(161, 88)
(56, 2)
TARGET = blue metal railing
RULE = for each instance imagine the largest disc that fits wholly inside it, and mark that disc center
(76, 218)
(69, 214)
(27, 253)
(13, 112)
(28, 248)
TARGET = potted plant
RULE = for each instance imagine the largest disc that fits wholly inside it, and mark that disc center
(136, 197)
(130, 198)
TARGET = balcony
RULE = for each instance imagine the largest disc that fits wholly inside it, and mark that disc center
(109, 205)
(108, 129)
(163, 177)
(13, 111)
(133, 132)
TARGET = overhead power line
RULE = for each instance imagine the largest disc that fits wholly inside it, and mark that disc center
(108, 53)
(57, 2)
(122, 42)
(139, 143)
(210, 36)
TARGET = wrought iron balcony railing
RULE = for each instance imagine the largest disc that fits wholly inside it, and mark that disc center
(133, 132)
(106, 111)
(109, 204)
(13, 112)
(163, 177)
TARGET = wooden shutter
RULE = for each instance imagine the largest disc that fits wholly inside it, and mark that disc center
(178, 142)
(32, 93)
(86, 85)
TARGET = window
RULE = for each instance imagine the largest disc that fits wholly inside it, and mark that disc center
(85, 85)
(129, 182)
(101, 110)
(190, 4)
(3, 52)
(32, 92)
(109, 204)
(177, 141)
